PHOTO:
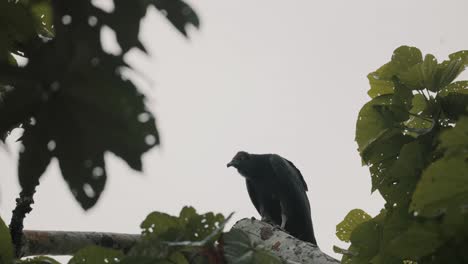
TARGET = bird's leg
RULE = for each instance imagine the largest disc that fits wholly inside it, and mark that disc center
(265, 215)
(284, 216)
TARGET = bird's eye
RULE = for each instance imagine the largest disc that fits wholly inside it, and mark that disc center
(243, 157)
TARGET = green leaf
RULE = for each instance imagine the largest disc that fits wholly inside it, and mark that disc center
(449, 70)
(352, 219)
(379, 87)
(455, 139)
(43, 17)
(422, 75)
(96, 255)
(200, 226)
(382, 80)
(6, 246)
(399, 180)
(404, 57)
(462, 55)
(460, 87)
(158, 223)
(366, 239)
(443, 184)
(375, 118)
(418, 241)
(454, 105)
(189, 226)
(264, 257)
(238, 248)
(178, 258)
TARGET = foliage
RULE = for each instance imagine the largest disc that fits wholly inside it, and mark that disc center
(238, 249)
(413, 135)
(73, 99)
(6, 246)
(188, 238)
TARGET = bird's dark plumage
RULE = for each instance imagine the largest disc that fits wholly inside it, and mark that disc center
(278, 191)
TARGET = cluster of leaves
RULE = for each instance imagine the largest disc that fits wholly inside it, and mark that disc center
(413, 135)
(187, 238)
(71, 98)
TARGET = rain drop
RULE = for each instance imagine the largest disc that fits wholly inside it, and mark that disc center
(144, 117)
(92, 21)
(88, 190)
(98, 172)
(55, 86)
(150, 140)
(32, 121)
(51, 145)
(88, 163)
(66, 19)
(95, 61)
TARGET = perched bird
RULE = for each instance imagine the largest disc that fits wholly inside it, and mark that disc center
(278, 192)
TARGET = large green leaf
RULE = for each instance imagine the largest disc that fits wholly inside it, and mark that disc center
(398, 181)
(376, 118)
(416, 242)
(354, 218)
(460, 87)
(382, 80)
(238, 249)
(6, 246)
(443, 184)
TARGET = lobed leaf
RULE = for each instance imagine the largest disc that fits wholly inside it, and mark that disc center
(354, 218)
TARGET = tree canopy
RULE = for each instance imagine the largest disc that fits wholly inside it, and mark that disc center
(412, 135)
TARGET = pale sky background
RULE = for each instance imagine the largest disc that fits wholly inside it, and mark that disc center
(265, 76)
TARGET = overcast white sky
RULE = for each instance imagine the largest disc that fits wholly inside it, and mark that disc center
(265, 76)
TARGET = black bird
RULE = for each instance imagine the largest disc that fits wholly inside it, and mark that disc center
(278, 192)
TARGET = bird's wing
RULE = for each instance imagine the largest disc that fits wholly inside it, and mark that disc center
(291, 181)
(298, 173)
(253, 194)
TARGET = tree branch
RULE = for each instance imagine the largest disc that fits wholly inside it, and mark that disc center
(281, 244)
(58, 243)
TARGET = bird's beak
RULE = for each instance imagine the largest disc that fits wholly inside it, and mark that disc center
(233, 163)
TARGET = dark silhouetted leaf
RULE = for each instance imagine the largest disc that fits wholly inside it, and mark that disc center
(179, 13)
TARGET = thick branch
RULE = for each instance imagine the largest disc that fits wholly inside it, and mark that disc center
(68, 243)
(272, 239)
(277, 242)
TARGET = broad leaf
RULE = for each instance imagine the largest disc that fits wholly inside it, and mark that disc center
(6, 246)
(350, 222)
(443, 183)
(418, 241)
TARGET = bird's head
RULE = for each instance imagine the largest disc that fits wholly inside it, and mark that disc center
(242, 161)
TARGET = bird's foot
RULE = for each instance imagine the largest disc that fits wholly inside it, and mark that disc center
(268, 220)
